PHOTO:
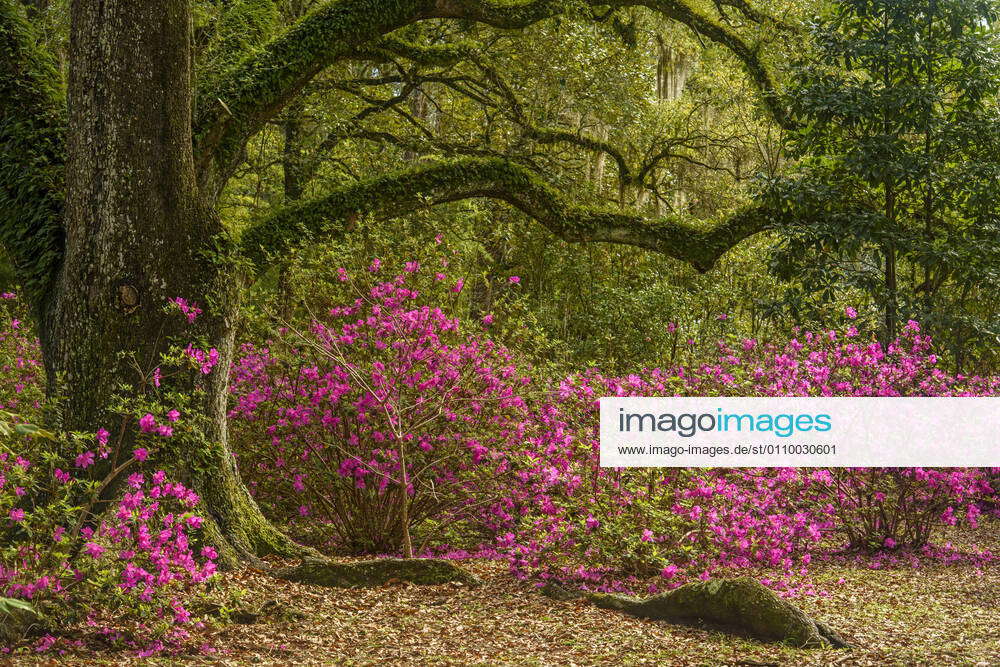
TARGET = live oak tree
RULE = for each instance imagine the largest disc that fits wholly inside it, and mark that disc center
(109, 186)
(695, 153)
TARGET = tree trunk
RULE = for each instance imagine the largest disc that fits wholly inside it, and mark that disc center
(296, 176)
(136, 231)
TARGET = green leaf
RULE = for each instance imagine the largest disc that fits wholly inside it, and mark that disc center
(9, 605)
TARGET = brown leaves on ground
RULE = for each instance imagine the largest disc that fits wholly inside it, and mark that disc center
(937, 615)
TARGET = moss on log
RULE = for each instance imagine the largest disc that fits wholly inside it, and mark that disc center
(379, 572)
(743, 604)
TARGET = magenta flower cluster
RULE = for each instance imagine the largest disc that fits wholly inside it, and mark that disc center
(142, 546)
(384, 394)
(333, 421)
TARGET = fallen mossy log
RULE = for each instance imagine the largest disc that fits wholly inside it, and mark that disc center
(378, 572)
(743, 604)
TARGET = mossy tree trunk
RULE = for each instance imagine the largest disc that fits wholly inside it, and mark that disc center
(136, 234)
(743, 604)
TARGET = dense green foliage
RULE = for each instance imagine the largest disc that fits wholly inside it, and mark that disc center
(31, 143)
(899, 169)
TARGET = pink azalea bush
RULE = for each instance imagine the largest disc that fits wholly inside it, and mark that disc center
(382, 417)
(137, 557)
(66, 552)
(608, 528)
(389, 391)
(143, 545)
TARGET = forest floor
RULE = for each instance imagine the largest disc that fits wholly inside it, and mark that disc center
(934, 615)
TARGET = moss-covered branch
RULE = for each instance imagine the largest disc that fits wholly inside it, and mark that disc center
(427, 55)
(32, 154)
(401, 193)
(254, 90)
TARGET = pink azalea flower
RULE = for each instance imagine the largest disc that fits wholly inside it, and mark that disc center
(147, 423)
(94, 550)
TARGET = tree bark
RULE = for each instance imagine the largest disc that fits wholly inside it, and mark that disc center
(136, 234)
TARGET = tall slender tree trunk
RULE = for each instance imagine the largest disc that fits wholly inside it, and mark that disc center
(295, 172)
(891, 282)
(136, 233)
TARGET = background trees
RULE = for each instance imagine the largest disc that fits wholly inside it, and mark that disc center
(898, 168)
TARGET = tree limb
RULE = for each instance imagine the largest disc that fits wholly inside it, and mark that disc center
(404, 192)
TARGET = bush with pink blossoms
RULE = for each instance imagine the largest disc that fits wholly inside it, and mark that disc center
(135, 560)
(606, 528)
(381, 418)
(386, 392)
(72, 547)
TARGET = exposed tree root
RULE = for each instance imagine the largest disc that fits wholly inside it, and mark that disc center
(743, 604)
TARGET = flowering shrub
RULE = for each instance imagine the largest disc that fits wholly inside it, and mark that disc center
(137, 558)
(387, 392)
(384, 394)
(607, 527)
(64, 548)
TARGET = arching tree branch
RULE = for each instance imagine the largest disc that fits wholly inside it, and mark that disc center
(427, 55)
(401, 193)
(256, 89)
